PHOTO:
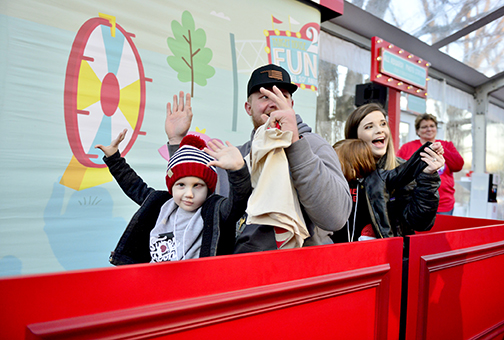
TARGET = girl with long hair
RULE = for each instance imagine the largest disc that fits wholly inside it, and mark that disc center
(388, 199)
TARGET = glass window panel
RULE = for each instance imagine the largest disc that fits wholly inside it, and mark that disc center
(481, 49)
(404, 101)
(455, 126)
(404, 130)
(430, 21)
(495, 153)
(335, 100)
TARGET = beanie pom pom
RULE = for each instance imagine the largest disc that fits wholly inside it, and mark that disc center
(193, 140)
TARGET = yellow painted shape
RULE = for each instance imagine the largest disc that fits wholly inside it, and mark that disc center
(112, 20)
(129, 102)
(89, 87)
(80, 177)
(203, 131)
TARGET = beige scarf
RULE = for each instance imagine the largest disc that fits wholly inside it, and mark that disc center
(274, 199)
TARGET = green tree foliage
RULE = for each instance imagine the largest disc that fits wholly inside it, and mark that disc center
(190, 56)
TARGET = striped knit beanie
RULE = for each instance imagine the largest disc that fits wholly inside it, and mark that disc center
(191, 160)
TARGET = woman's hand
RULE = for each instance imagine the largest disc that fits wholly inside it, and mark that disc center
(435, 161)
(437, 147)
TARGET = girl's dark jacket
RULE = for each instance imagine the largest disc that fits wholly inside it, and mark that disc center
(399, 206)
(219, 214)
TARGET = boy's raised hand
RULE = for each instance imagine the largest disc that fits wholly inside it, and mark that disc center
(178, 121)
(226, 157)
(114, 146)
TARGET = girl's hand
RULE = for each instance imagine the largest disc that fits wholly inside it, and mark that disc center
(434, 160)
(438, 148)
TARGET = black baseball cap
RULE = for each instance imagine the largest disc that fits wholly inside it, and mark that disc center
(268, 76)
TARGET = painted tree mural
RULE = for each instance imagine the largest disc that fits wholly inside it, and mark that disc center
(190, 56)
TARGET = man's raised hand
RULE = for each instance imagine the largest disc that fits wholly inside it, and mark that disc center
(226, 157)
(285, 116)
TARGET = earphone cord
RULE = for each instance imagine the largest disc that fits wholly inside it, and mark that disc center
(355, 211)
(355, 216)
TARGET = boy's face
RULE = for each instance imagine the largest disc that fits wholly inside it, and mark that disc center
(189, 193)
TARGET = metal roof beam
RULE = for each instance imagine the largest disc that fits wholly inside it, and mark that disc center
(492, 82)
(492, 85)
(366, 25)
(468, 29)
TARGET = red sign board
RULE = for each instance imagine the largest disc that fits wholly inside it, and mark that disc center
(336, 6)
(396, 68)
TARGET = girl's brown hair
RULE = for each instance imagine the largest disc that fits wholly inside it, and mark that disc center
(356, 158)
(352, 125)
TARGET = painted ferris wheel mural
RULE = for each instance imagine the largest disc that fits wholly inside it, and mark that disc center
(104, 94)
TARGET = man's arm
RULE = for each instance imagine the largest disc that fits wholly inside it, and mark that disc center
(322, 189)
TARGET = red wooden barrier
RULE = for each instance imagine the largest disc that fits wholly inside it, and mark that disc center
(346, 291)
(456, 284)
(446, 223)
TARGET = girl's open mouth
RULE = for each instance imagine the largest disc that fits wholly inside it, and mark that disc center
(379, 142)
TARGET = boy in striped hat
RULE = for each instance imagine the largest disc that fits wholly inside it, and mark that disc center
(188, 221)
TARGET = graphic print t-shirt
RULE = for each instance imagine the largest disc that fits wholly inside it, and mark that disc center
(177, 234)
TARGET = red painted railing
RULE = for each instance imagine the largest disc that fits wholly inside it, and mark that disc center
(456, 284)
(345, 291)
(313, 293)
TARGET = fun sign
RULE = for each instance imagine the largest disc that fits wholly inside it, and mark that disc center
(297, 52)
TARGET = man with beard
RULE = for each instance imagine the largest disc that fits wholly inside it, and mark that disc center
(315, 172)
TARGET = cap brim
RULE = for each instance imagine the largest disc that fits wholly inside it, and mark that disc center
(287, 86)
